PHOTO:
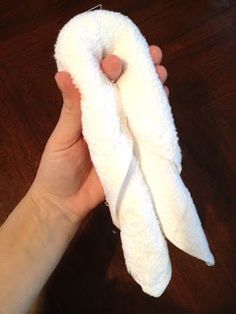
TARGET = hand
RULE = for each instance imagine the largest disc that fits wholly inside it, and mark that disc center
(66, 177)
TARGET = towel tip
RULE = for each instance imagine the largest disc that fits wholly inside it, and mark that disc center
(159, 288)
(210, 261)
(154, 293)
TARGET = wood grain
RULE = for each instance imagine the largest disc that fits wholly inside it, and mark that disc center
(198, 39)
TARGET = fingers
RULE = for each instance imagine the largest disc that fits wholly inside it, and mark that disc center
(162, 73)
(70, 93)
(69, 128)
(167, 90)
(156, 54)
(112, 67)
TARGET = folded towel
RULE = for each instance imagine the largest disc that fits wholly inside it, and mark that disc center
(133, 143)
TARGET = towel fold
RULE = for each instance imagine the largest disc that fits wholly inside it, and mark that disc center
(133, 144)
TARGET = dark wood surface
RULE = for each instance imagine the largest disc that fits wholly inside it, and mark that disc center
(198, 39)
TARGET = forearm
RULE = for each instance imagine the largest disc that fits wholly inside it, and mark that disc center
(32, 241)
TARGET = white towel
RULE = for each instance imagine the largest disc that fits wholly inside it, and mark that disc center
(133, 143)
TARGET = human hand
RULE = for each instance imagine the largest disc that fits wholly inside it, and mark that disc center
(66, 177)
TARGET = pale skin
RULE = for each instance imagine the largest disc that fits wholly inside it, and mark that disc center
(66, 188)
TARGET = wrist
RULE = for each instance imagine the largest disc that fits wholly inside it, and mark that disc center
(51, 211)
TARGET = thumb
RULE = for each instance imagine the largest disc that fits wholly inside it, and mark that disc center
(69, 127)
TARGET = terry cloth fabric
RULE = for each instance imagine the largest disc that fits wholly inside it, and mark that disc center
(133, 143)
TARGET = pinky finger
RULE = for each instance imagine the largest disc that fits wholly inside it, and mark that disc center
(166, 90)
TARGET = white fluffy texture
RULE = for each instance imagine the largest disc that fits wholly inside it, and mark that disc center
(133, 143)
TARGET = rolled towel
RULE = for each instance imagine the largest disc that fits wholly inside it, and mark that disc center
(133, 144)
